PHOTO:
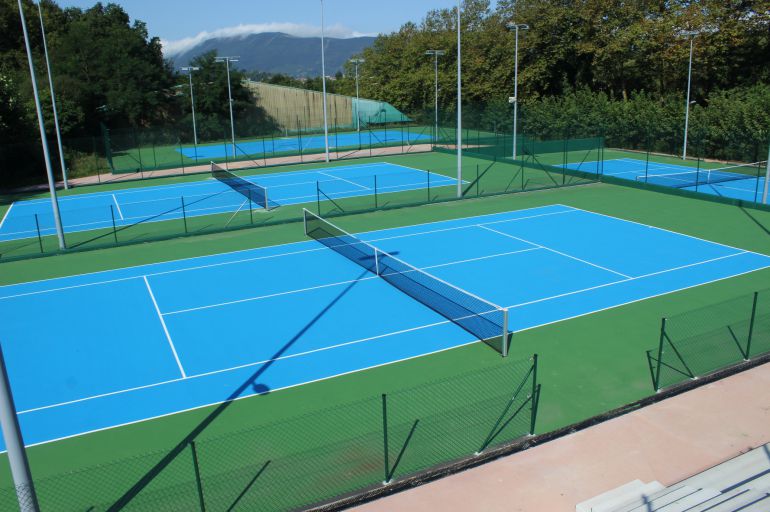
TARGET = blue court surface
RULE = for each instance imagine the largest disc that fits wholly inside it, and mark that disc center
(85, 212)
(128, 345)
(365, 138)
(736, 186)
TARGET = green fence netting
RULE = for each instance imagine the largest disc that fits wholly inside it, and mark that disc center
(702, 341)
(314, 457)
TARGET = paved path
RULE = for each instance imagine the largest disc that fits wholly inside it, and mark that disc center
(668, 442)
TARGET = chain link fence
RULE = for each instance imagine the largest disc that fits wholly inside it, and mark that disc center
(315, 457)
(699, 342)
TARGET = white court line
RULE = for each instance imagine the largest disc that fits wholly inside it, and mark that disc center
(118, 205)
(209, 256)
(574, 292)
(339, 283)
(256, 258)
(6, 215)
(343, 179)
(557, 252)
(381, 337)
(664, 229)
(165, 329)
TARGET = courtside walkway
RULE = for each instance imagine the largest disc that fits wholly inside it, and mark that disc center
(667, 441)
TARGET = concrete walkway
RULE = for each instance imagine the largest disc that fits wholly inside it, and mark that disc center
(667, 441)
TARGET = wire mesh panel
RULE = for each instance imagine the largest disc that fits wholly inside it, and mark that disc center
(314, 457)
(253, 192)
(704, 340)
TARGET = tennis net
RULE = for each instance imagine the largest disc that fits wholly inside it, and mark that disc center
(703, 176)
(481, 318)
(255, 193)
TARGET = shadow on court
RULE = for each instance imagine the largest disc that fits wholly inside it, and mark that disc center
(253, 383)
(756, 221)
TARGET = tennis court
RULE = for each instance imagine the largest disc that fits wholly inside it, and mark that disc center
(86, 212)
(744, 182)
(127, 345)
(304, 143)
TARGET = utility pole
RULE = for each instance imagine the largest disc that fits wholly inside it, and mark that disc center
(436, 54)
(515, 99)
(357, 62)
(227, 61)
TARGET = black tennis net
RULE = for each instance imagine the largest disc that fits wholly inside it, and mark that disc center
(481, 318)
(255, 193)
(699, 177)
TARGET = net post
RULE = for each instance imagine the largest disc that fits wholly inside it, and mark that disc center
(376, 200)
(751, 325)
(114, 231)
(304, 220)
(184, 215)
(39, 237)
(504, 348)
(386, 481)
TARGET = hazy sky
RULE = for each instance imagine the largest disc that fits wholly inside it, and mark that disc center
(182, 23)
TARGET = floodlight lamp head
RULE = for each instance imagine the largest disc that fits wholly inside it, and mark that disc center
(519, 26)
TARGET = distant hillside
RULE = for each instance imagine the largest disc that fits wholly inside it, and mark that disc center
(276, 52)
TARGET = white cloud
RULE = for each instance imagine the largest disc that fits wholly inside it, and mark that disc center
(171, 48)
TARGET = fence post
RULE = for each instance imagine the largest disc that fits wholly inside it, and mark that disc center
(660, 353)
(477, 180)
(114, 230)
(376, 201)
(198, 481)
(533, 403)
(428, 178)
(385, 437)
(751, 325)
(184, 216)
(251, 213)
(697, 174)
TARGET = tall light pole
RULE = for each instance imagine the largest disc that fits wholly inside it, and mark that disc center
(436, 54)
(691, 34)
(358, 62)
(190, 71)
(516, 27)
(323, 82)
(227, 61)
(53, 101)
(459, 106)
(44, 142)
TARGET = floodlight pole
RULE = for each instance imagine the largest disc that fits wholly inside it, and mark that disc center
(43, 140)
(323, 82)
(17, 457)
(53, 101)
(691, 34)
(358, 98)
(227, 61)
(436, 54)
(459, 106)
(516, 27)
(190, 71)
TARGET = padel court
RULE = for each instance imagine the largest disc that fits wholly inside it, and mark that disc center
(85, 212)
(99, 350)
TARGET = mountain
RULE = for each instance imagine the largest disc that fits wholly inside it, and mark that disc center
(275, 52)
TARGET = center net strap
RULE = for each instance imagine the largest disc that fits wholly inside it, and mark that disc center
(481, 318)
(255, 193)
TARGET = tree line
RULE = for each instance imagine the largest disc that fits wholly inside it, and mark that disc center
(586, 66)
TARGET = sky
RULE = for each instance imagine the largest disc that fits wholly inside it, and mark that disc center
(183, 23)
